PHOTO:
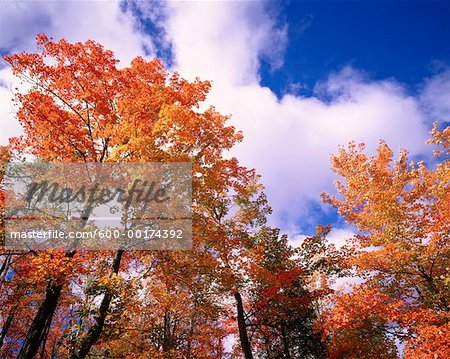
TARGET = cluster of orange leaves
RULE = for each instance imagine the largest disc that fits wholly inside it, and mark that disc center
(402, 213)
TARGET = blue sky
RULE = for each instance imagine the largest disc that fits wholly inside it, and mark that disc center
(407, 40)
(299, 78)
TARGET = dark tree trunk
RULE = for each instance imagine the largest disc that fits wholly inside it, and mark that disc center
(44, 337)
(243, 335)
(96, 329)
(167, 345)
(287, 352)
(42, 318)
(5, 328)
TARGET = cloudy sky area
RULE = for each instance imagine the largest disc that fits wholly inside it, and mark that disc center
(299, 78)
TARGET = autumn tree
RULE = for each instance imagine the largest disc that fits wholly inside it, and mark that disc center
(9, 307)
(81, 107)
(400, 209)
(240, 277)
(281, 311)
(293, 288)
(285, 291)
(179, 315)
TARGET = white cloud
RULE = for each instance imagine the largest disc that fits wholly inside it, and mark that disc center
(223, 41)
(288, 140)
(436, 96)
(340, 236)
(102, 21)
(9, 126)
(20, 21)
(337, 236)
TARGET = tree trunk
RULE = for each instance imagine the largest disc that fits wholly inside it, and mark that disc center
(5, 328)
(96, 329)
(44, 316)
(167, 339)
(243, 336)
(287, 352)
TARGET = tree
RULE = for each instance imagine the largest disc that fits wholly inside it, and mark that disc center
(278, 302)
(285, 291)
(401, 212)
(240, 278)
(82, 108)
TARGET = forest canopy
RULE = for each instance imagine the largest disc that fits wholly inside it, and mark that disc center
(243, 290)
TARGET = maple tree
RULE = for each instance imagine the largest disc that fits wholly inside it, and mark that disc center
(83, 108)
(281, 313)
(283, 292)
(242, 283)
(400, 209)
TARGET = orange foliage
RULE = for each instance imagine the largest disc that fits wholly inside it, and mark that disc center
(81, 107)
(401, 210)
